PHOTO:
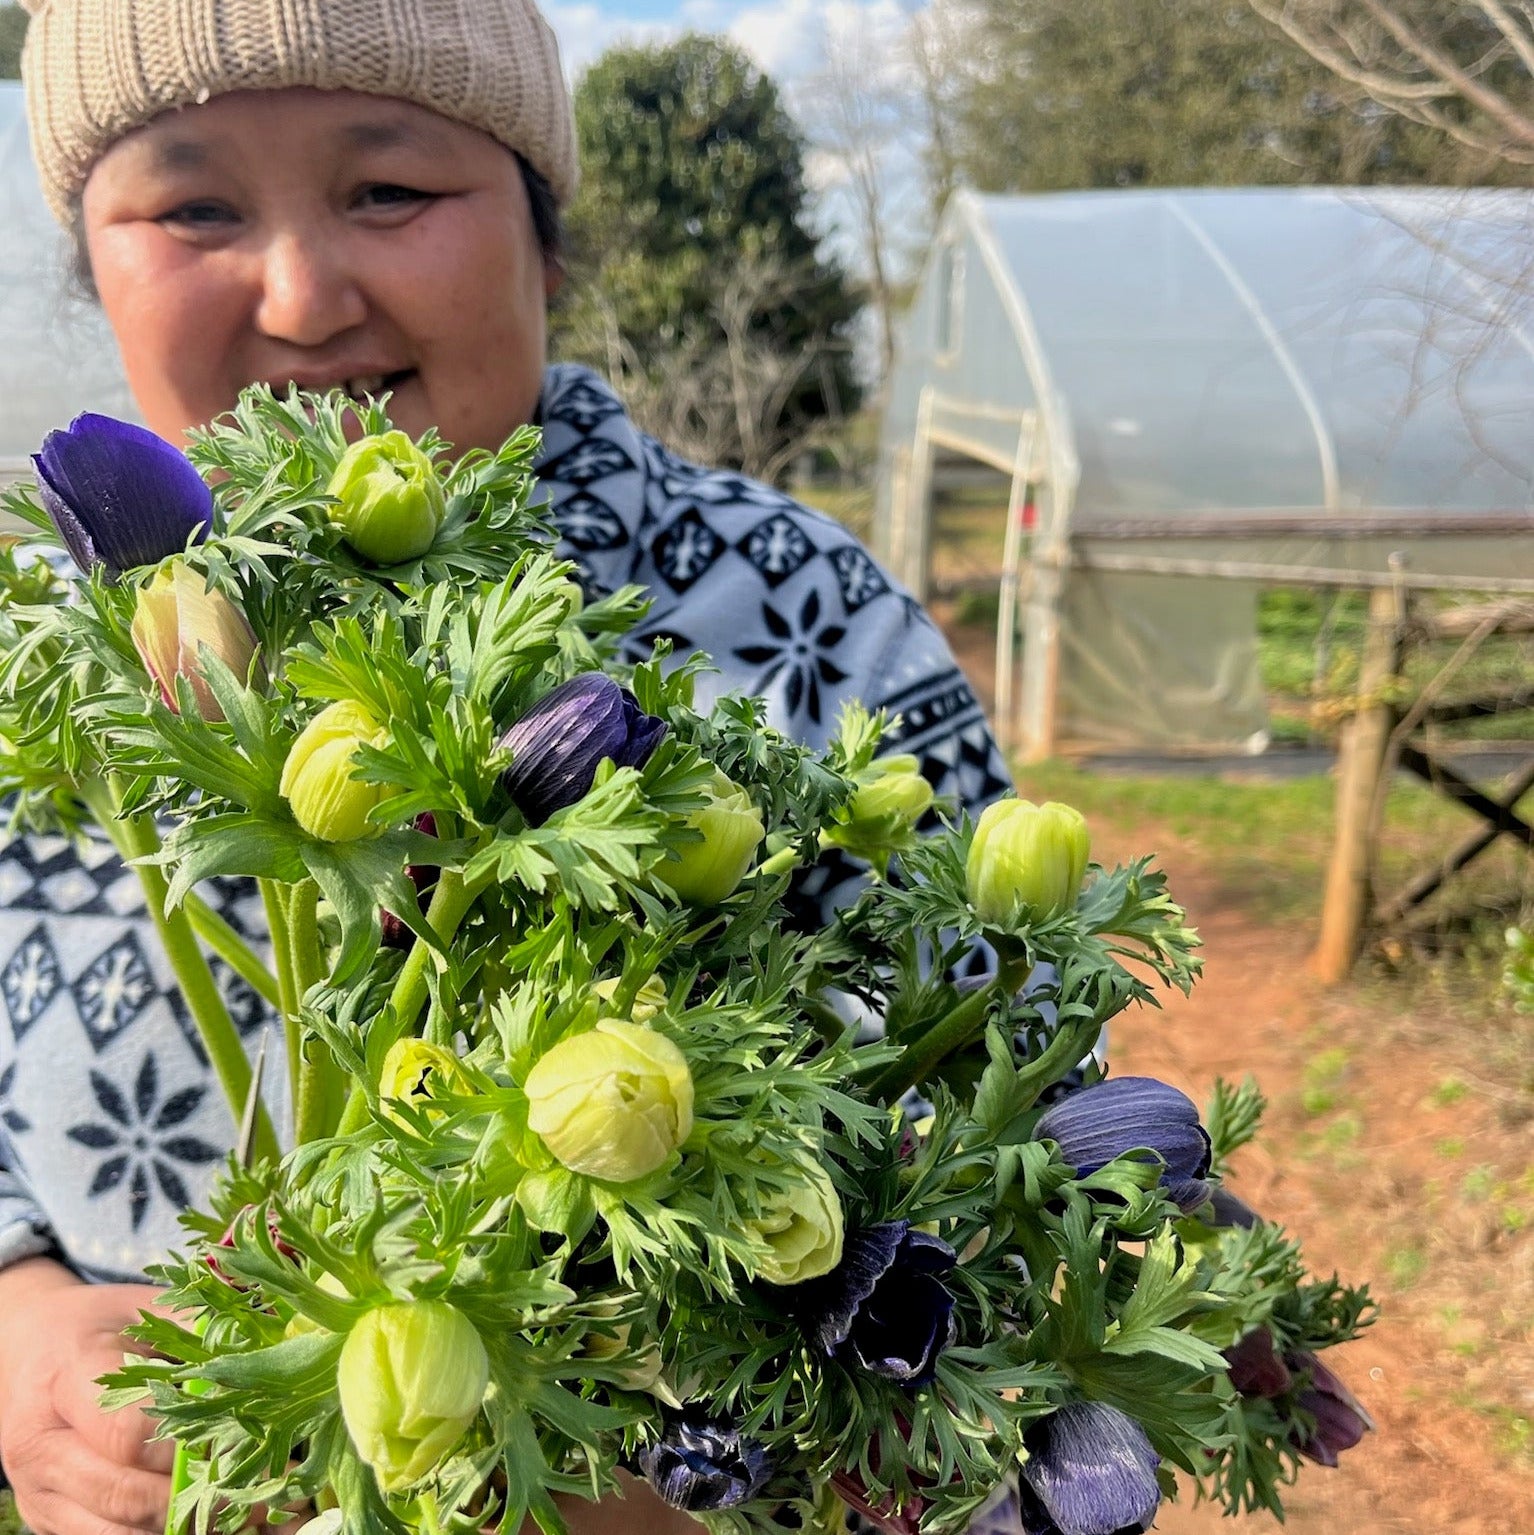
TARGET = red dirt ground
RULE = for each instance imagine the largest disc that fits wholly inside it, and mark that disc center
(1450, 1366)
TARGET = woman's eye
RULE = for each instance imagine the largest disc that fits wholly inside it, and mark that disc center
(388, 195)
(199, 215)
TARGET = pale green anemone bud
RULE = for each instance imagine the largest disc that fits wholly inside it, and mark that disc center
(802, 1226)
(175, 616)
(389, 499)
(880, 819)
(411, 1378)
(613, 1103)
(704, 873)
(1026, 862)
(648, 1000)
(319, 779)
(416, 1072)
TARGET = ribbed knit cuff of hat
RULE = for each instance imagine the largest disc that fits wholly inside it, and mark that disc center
(97, 69)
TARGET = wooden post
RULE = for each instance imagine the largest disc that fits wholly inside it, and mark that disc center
(1360, 761)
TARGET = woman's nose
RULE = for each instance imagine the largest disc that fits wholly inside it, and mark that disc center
(308, 294)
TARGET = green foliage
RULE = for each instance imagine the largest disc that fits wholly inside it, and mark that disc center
(1123, 93)
(692, 178)
(13, 31)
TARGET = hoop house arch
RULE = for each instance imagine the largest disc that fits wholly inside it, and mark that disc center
(57, 357)
(1196, 393)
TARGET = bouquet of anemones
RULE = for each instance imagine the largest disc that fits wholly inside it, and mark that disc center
(594, 1168)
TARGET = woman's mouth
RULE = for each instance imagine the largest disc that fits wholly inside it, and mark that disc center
(372, 385)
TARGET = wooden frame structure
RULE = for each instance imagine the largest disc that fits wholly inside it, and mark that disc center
(1384, 734)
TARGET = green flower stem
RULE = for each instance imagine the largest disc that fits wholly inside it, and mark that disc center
(450, 903)
(321, 1081)
(960, 1026)
(274, 902)
(1071, 1044)
(231, 948)
(216, 1029)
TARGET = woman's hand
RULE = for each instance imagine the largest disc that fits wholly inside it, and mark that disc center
(76, 1469)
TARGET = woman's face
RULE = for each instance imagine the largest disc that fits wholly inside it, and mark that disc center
(327, 239)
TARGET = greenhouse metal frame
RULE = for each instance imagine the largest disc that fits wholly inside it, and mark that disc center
(1197, 393)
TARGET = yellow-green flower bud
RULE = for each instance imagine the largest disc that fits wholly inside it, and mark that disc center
(319, 780)
(1026, 862)
(802, 1227)
(880, 819)
(416, 1072)
(389, 500)
(613, 1103)
(411, 1379)
(648, 1000)
(176, 614)
(704, 873)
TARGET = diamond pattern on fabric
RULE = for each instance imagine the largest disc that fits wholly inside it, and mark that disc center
(114, 989)
(858, 577)
(588, 523)
(592, 459)
(686, 550)
(30, 980)
(584, 406)
(777, 547)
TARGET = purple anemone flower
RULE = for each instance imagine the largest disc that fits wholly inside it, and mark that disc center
(884, 1307)
(701, 1467)
(1340, 1418)
(1090, 1471)
(120, 496)
(1255, 1367)
(1124, 1114)
(556, 746)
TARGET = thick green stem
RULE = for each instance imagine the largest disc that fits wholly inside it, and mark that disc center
(321, 1082)
(960, 1026)
(216, 1029)
(274, 902)
(231, 948)
(1071, 1044)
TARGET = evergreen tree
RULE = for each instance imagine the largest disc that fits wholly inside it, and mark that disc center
(13, 28)
(692, 235)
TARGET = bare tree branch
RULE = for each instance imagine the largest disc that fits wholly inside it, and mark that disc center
(1474, 83)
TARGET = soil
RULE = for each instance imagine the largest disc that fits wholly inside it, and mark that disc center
(1394, 1151)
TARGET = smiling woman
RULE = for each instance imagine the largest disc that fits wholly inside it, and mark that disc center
(359, 195)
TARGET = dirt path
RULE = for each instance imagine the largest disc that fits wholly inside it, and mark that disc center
(1394, 1163)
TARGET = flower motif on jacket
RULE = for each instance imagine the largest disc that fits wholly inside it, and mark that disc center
(142, 1140)
(798, 651)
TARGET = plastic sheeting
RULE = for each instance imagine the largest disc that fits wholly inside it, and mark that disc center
(1290, 380)
(57, 356)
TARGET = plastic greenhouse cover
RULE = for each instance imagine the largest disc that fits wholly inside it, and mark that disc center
(57, 356)
(1239, 351)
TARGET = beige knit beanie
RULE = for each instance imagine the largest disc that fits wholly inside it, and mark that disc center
(95, 69)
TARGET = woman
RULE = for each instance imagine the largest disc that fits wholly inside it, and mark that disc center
(364, 195)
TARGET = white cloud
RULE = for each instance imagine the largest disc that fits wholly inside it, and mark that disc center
(587, 30)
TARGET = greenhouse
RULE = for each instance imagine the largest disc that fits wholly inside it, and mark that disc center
(58, 357)
(1184, 396)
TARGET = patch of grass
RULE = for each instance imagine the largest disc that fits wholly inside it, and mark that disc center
(1323, 1081)
(1450, 1146)
(10, 1522)
(1448, 1092)
(1479, 1184)
(1404, 1266)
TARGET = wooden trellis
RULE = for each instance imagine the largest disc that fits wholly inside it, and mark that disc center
(1386, 732)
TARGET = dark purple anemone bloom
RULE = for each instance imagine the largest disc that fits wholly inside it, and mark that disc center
(556, 746)
(120, 496)
(1339, 1416)
(1255, 1367)
(700, 1467)
(1124, 1114)
(884, 1308)
(1090, 1471)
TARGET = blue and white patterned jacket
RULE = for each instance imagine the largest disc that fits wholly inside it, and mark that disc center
(110, 1119)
